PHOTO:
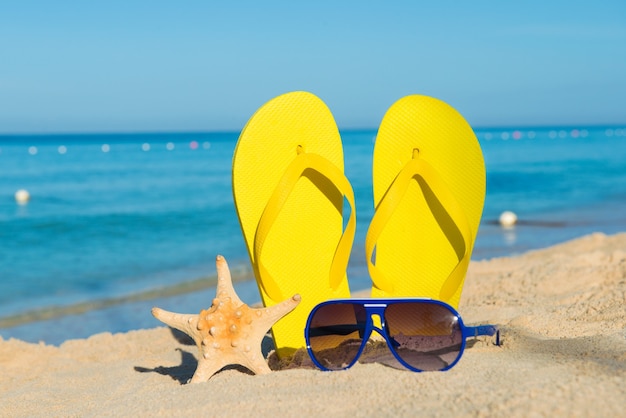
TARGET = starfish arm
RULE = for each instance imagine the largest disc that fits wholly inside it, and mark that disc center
(267, 317)
(255, 361)
(186, 323)
(225, 287)
(207, 368)
(274, 313)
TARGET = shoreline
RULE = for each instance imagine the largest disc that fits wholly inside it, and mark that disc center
(561, 310)
(177, 289)
(28, 325)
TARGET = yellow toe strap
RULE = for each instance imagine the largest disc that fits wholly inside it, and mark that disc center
(296, 169)
(427, 177)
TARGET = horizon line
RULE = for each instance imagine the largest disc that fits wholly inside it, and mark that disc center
(362, 129)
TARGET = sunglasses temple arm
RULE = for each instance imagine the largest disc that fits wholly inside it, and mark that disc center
(483, 330)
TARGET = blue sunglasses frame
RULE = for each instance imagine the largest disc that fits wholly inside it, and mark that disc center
(377, 307)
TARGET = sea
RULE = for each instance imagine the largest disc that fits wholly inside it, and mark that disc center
(118, 223)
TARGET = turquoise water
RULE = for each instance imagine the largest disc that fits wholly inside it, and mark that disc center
(114, 216)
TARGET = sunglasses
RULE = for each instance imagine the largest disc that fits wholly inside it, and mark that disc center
(422, 334)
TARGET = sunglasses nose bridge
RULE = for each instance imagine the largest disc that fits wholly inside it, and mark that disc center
(376, 318)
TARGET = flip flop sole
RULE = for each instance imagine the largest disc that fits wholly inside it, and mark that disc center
(416, 250)
(299, 248)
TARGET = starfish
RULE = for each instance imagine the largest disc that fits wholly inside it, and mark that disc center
(229, 332)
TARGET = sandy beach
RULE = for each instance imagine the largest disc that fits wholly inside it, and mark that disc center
(562, 313)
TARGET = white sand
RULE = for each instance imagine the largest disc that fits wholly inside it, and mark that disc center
(562, 312)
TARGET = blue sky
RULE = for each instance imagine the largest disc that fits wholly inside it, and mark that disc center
(127, 66)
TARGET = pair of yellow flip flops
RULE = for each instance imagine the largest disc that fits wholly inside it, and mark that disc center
(290, 190)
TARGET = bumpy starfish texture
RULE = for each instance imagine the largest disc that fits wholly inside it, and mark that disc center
(229, 332)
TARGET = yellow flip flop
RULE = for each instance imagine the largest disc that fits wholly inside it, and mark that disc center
(289, 188)
(429, 192)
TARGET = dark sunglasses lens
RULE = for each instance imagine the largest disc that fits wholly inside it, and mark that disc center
(427, 336)
(336, 334)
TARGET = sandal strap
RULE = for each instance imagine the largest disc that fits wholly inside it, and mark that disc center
(426, 177)
(296, 169)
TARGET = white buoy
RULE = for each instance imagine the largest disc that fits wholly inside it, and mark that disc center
(508, 219)
(22, 196)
